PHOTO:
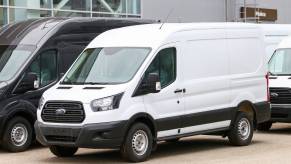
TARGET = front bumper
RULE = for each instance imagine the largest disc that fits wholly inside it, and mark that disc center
(281, 113)
(103, 135)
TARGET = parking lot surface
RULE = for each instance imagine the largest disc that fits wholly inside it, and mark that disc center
(268, 148)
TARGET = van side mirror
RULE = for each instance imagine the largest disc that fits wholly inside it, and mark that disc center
(29, 82)
(153, 83)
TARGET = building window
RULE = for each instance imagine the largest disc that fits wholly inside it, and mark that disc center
(18, 10)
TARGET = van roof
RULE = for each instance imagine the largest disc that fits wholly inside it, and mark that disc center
(150, 35)
(31, 31)
(286, 43)
(279, 30)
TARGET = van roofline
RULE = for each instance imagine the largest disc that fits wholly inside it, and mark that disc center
(150, 35)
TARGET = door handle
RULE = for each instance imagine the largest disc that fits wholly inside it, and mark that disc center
(180, 90)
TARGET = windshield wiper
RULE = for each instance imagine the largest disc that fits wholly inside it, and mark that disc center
(96, 83)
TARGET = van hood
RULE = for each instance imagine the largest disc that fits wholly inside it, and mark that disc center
(82, 93)
(280, 82)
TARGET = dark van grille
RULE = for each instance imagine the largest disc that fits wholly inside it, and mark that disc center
(280, 95)
(63, 112)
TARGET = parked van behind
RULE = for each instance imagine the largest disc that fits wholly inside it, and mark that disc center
(132, 87)
(274, 34)
(33, 56)
(280, 86)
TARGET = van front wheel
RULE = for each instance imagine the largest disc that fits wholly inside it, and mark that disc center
(242, 129)
(138, 143)
(61, 151)
(18, 135)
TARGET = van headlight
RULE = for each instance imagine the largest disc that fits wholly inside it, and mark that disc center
(107, 103)
(40, 103)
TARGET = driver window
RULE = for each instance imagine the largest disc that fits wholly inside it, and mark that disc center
(45, 67)
(165, 65)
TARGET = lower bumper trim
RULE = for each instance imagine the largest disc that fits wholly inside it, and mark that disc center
(104, 135)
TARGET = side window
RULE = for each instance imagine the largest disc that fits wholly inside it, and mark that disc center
(45, 67)
(165, 65)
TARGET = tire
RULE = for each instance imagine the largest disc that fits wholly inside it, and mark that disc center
(61, 151)
(131, 149)
(266, 126)
(173, 140)
(18, 135)
(238, 136)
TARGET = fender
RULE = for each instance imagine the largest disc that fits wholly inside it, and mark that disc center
(13, 108)
(142, 117)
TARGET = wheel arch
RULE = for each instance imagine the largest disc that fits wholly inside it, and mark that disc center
(248, 107)
(19, 109)
(143, 118)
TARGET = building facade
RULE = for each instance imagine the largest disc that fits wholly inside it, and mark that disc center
(216, 10)
(164, 10)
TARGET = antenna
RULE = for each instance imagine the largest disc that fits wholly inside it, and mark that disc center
(167, 18)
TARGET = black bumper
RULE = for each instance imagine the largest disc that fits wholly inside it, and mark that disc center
(104, 135)
(263, 112)
(281, 113)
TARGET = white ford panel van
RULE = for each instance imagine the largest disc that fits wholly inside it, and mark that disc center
(280, 84)
(135, 86)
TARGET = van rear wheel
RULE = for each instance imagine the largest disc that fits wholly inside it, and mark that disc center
(61, 151)
(18, 135)
(242, 129)
(138, 143)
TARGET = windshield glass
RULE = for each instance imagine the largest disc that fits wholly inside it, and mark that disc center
(280, 63)
(12, 58)
(106, 65)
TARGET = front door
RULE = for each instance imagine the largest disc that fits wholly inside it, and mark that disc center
(45, 67)
(167, 106)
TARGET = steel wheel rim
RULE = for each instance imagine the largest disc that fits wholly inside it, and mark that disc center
(244, 128)
(19, 134)
(140, 142)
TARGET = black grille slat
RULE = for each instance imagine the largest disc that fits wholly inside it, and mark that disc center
(74, 112)
(284, 95)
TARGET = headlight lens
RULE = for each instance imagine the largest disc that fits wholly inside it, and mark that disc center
(107, 103)
(40, 103)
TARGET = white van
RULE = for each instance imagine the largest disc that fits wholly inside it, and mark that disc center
(135, 86)
(274, 34)
(280, 84)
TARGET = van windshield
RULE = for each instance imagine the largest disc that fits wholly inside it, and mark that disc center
(280, 63)
(12, 58)
(103, 66)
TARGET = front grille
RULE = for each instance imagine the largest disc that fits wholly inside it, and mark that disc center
(52, 138)
(280, 95)
(73, 112)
